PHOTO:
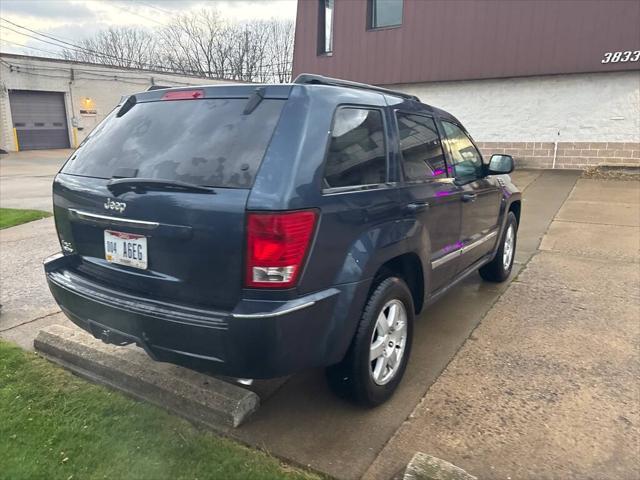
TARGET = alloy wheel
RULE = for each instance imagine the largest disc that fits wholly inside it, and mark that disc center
(388, 342)
(507, 251)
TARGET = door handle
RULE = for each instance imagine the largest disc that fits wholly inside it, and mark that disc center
(469, 197)
(417, 206)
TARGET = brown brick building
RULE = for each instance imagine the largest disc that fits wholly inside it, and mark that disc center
(555, 83)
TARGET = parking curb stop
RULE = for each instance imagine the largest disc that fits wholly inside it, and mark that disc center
(198, 397)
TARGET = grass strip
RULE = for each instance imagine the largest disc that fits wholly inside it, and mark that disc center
(56, 425)
(10, 217)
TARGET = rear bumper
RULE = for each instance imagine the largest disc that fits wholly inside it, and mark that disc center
(258, 339)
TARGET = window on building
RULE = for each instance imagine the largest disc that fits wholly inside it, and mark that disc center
(325, 26)
(466, 159)
(422, 155)
(357, 153)
(385, 13)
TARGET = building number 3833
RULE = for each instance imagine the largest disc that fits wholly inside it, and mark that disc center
(627, 56)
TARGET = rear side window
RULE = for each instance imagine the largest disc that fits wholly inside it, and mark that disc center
(357, 153)
(421, 148)
(207, 142)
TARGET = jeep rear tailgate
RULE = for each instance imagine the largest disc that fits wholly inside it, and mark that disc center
(153, 237)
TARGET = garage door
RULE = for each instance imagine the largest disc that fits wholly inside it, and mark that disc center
(40, 119)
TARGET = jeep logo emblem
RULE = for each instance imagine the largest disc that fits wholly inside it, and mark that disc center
(117, 206)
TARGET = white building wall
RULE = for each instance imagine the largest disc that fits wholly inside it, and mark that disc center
(559, 121)
(595, 107)
(78, 81)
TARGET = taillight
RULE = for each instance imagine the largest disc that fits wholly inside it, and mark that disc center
(277, 245)
(183, 95)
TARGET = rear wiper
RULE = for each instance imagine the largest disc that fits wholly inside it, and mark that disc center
(119, 185)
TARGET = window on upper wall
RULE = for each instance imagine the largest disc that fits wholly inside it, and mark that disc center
(357, 153)
(422, 155)
(325, 27)
(385, 13)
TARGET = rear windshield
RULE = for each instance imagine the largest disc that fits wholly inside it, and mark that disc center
(207, 142)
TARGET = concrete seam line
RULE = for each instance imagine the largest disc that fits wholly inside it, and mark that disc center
(31, 321)
(560, 220)
(428, 467)
(595, 258)
(533, 181)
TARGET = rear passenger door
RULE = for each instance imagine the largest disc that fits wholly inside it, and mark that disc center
(359, 205)
(429, 194)
(481, 196)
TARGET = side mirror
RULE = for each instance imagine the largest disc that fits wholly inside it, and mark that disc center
(500, 164)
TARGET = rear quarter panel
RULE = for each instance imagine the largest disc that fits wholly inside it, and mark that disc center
(357, 230)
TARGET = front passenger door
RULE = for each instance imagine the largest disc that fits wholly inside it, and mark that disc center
(481, 196)
(429, 194)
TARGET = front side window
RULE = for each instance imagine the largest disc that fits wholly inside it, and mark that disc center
(357, 152)
(422, 154)
(466, 159)
(385, 13)
(325, 27)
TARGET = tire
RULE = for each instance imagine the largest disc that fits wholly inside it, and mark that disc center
(499, 269)
(372, 382)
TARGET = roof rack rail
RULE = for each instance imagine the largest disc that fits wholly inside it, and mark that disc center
(311, 79)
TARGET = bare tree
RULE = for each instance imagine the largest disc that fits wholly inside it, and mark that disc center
(281, 40)
(199, 43)
(260, 51)
(118, 46)
(249, 43)
(190, 43)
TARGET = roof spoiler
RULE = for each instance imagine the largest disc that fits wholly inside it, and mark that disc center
(156, 87)
(128, 104)
(311, 79)
(151, 88)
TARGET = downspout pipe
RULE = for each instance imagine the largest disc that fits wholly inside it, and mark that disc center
(555, 151)
(74, 120)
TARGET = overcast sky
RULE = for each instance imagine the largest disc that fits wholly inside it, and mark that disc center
(72, 20)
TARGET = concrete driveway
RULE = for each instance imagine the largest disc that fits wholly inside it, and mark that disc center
(304, 423)
(548, 384)
(26, 178)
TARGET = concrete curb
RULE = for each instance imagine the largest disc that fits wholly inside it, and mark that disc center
(426, 467)
(197, 397)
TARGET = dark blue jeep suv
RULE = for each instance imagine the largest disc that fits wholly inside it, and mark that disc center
(254, 231)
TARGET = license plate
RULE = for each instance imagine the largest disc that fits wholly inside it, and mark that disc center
(125, 249)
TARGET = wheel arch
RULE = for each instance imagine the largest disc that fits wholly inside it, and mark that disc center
(407, 266)
(516, 207)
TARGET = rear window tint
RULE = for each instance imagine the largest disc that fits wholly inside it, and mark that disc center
(357, 153)
(207, 142)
